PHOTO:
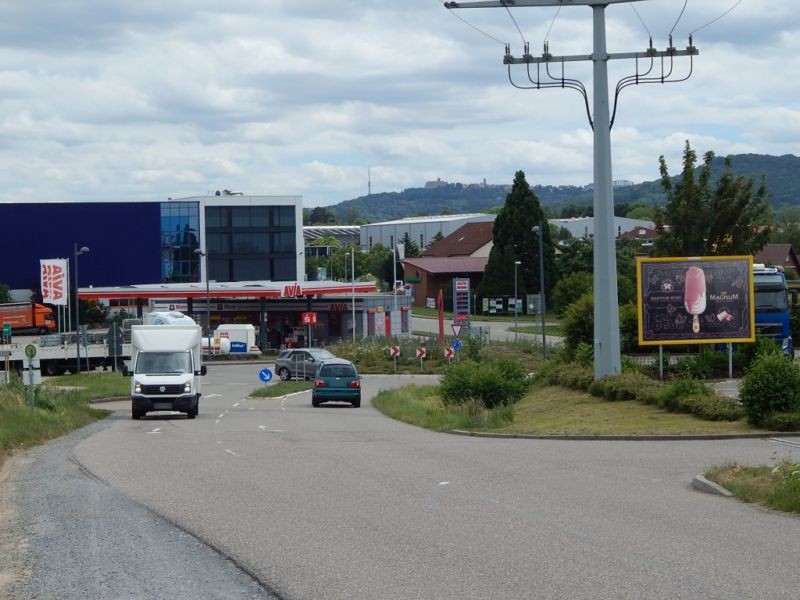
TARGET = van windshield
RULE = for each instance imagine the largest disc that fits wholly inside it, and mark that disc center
(164, 363)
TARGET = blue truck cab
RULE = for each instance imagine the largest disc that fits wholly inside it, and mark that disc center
(773, 310)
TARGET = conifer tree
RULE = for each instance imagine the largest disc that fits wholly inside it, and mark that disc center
(513, 239)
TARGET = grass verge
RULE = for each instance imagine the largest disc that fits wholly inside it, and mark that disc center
(281, 388)
(775, 487)
(61, 405)
(548, 411)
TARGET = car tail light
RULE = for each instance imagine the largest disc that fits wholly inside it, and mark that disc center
(354, 384)
(319, 383)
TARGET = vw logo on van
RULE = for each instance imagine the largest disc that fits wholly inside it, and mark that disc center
(162, 389)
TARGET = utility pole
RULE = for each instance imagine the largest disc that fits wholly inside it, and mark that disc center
(606, 316)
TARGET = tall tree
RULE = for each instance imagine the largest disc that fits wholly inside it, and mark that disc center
(697, 221)
(513, 239)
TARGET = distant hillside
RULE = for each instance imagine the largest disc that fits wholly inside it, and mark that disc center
(782, 174)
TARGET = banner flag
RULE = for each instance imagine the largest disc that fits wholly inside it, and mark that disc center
(55, 284)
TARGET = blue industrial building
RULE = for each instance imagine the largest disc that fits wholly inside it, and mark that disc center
(244, 238)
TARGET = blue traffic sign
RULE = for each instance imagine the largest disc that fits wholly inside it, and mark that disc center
(456, 344)
(265, 375)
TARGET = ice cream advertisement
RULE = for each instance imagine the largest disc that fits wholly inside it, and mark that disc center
(695, 300)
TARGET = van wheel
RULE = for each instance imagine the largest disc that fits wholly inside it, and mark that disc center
(136, 415)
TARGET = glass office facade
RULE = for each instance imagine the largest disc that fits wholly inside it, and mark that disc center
(180, 237)
(248, 243)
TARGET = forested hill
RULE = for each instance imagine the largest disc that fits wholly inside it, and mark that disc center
(782, 175)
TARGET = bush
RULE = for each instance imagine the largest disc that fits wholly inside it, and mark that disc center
(672, 395)
(712, 408)
(783, 421)
(578, 322)
(703, 365)
(772, 385)
(494, 384)
(569, 289)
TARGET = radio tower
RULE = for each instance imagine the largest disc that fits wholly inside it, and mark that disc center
(606, 305)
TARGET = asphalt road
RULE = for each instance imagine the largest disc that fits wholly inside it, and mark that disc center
(342, 503)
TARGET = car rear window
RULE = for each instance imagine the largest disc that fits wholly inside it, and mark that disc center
(338, 371)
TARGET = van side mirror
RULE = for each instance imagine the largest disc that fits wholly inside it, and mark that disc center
(203, 370)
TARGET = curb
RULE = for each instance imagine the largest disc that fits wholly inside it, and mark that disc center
(626, 438)
(704, 485)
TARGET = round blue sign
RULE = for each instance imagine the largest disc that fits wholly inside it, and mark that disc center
(456, 344)
(265, 375)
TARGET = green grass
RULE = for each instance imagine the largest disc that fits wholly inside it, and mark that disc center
(61, 405)
(281, 388)
(775, 487)
(548, 411)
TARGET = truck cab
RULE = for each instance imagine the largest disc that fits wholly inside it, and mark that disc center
(772, 306)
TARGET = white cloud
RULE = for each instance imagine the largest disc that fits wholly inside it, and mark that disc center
(103, 101)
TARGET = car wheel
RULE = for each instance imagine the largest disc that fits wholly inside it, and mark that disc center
(356, 403)
(284, 374)
(136, 415)
(314, 402)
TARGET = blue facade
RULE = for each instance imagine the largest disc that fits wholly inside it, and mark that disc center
(124, 239)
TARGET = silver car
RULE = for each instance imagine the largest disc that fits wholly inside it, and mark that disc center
(300, 363)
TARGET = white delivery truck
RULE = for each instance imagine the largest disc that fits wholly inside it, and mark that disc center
(165, 367)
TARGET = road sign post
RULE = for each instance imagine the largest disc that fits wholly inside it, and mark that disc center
(421, 356)
(394, 352)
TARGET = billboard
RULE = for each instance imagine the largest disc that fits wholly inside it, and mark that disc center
(698, 300)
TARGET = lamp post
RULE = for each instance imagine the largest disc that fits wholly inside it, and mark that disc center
(199, 252)
(539, 231)
(78, 252)
(353, 273)
(516, 264)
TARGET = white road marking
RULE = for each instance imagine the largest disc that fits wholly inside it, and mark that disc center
(216, 422)
(444, 483)
(237, 404)
(231, 452)
(213, 395)
(156, 430)
(222, 415)
(794, 443)
(264, 428)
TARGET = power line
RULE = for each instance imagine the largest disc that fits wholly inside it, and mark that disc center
(553, 22)
(468, 24)
(650, 35)
(685, 2)
(717, 18)
(508, 10)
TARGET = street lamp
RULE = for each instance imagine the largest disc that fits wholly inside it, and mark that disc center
(83, 250)
(539, 231)
(199, 252)
(353, 280)
(516, 264)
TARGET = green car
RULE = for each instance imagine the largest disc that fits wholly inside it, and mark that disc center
(336, 380)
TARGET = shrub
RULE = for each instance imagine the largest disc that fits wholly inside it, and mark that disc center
(493, 384)
(712, 408)
(701, 366)
(783, 421)
(578, 322)
(771, 385)
(673, 394)
(569, 289)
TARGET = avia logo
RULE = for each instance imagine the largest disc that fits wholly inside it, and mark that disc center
(292, 291)
(338, 309)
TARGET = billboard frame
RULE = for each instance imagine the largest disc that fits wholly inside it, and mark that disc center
(646, 298)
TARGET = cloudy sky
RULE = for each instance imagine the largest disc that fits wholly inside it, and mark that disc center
(111, 100)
